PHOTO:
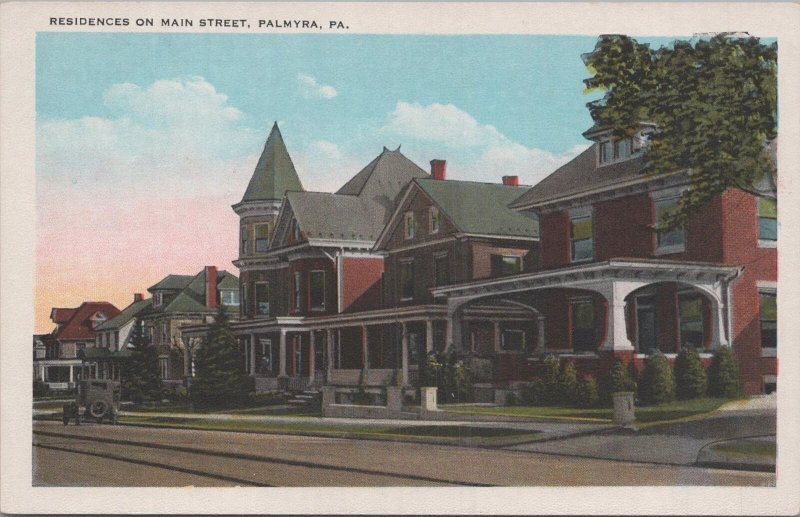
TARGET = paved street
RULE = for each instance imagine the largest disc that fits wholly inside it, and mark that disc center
(104, 455)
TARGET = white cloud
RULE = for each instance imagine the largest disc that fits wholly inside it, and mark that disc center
(311, 89)
(177, 133)
(474, 151)
(324, 167)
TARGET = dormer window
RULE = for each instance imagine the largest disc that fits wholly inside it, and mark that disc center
(409, 228)
(296, 231)
(158, 299)
(436, 220)
(622, 149)
(98, 319)
(229, 297)
(606, 151)
(614, 150)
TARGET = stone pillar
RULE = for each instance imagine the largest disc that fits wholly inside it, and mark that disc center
(311, 351)
(624, 413)
(540, 344)
(394, 399)
(428, 336)
(404, 352)
(329, 344)
(252, 354)
(428, 396)
(498, 345)
(616, 336)
(282, 353)
(328, 398)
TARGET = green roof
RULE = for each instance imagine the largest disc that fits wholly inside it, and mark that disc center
(481, 208)
(127, 314)
(193, 297)
(274, 173)
(174, 282)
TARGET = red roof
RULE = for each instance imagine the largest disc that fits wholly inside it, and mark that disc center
(61, 315)
(79, 325)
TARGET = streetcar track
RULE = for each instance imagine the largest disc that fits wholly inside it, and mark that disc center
(147, 463)
(254, 457)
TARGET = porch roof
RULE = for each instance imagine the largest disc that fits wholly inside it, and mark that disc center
(577, 276)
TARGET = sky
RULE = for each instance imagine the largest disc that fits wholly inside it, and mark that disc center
(144, 141)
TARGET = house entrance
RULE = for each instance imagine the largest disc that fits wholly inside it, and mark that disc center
(646, 324)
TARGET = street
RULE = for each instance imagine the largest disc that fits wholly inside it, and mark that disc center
(104, 455)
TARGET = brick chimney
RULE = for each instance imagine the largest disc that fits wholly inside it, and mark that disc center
(512, 181)
(438, 169)
(212, 299)
(137, 297)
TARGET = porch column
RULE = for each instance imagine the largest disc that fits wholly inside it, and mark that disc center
(329, 344)
(364, 348)
(497, 339)
(540, 329)
(282, 353)
(616, 337)
(453, 335)
(428, 336)
(71, 373)
(41, 373)
(311, 349)
(718, 338)
(252, 354)
(404, 352)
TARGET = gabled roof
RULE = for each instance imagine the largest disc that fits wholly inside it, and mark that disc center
(481, 208)
(172, 282)
(323, 215)
(274, 173)
(127, 314)
(79, 325)
(581, 174)
(192, 298)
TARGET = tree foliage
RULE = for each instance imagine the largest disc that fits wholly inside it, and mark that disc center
(220, 379)
(141, 378)
(713, 100)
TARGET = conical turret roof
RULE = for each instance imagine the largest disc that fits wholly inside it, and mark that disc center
(274, 173)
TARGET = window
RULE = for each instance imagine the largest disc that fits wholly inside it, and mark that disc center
(767, 220)
(409, 228)
(583, 325)
(163, 366)
(262, 238)
(261, 298)
(230, 296)
(622, 149)
(296, 233)
(245, 241)
(441, 270)
(436, 220)
(317, 290)
(691, 319)
(158, 299)
(768, 319)
(581, 238)
(407, 280)
(98, 319)
(503, 265)
(513, 340)
(606, 151)
(668, 240)
(298, 291)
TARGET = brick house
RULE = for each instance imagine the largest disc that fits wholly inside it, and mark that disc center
(179, 300)
(614, 282)
(76, 329)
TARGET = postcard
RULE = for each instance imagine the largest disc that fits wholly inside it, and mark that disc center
(399, 258)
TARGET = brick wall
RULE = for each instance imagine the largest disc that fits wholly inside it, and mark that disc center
(362, 279)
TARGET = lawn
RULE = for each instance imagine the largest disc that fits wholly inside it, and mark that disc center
(759, 448)
(646, 414)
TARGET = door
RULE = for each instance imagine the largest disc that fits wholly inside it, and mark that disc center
(646, 325)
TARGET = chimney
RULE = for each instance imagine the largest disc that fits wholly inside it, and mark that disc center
(438, 169)
(137, 297)
(512, 181)
(212, 300)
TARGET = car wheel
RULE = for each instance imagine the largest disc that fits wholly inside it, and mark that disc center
(98, 409)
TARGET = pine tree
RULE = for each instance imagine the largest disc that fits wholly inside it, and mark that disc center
(141, 379)
(723, 375)
(690, 375)
(220, 379)
(657, 384)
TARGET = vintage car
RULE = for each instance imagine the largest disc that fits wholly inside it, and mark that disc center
(99, 399)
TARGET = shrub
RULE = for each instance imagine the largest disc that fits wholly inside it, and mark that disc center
(690, 375)
(534, 393)
(617, 379)
(723, 375)
(511, 399)
(588, 393)
(568, 385)
(450, 374)
(657, 384)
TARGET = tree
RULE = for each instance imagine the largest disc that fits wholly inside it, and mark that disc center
(141, 378)
(220, 379)
(657, 384)
(690, 375)
(723, 375)
(713, 101)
